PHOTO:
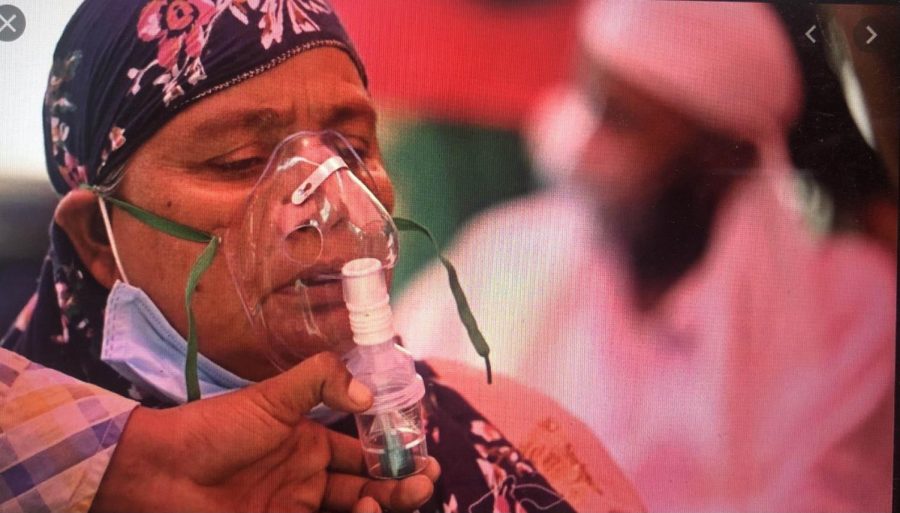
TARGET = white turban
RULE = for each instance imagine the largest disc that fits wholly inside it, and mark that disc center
(728, 66)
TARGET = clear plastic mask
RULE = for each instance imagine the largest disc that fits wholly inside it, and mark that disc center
(308, 215)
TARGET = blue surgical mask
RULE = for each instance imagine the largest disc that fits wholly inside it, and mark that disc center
(141, 345)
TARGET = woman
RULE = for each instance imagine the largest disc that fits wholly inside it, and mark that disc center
(174, 107)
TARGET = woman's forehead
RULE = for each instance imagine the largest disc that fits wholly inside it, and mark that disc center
(317, 87)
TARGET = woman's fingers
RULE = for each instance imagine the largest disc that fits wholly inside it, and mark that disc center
(432, 470)
(343, 492)
(287, 397)
(346, 454)
(367, 505)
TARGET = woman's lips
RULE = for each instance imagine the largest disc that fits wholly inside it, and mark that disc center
(319, 287)
(316, 275)
(319, 298)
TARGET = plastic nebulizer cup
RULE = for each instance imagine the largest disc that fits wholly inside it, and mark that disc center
(392, 431)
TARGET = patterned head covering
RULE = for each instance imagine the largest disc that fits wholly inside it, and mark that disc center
(123, 68)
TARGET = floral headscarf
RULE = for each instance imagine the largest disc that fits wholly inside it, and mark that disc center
(122, 69)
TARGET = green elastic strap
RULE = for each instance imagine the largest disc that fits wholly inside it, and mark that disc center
(192, 382)
(462, 304)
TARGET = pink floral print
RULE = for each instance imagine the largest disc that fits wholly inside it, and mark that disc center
(58, 103)
(507, 475)
(181, 30)
(177, 25)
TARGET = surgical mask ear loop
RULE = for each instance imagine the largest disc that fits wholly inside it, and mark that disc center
(112, 240)
(178, 230)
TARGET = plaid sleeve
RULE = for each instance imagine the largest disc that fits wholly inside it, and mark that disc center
(57, 435)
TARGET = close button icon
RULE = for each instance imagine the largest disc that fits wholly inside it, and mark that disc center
(12, 23)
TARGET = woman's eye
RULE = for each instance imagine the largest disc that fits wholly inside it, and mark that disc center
(241, 164)
(351, 154)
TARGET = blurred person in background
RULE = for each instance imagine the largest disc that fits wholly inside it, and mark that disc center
(670, 290)
(170, 114)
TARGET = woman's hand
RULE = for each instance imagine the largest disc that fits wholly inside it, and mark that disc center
(254, 450)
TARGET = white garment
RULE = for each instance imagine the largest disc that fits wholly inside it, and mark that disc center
(764, 382)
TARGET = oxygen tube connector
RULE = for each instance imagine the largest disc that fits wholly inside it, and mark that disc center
(391, 431)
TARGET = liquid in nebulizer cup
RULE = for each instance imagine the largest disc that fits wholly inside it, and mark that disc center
(392, 431)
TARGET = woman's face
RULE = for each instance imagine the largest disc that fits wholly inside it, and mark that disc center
(199, 169)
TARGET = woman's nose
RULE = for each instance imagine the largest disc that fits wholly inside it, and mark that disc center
(381, 185)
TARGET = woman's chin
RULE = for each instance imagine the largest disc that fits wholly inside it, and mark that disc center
(292, 339)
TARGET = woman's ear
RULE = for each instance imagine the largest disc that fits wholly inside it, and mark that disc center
(78, 214)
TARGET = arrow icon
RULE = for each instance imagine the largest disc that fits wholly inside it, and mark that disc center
(872, 37)
(809, 34)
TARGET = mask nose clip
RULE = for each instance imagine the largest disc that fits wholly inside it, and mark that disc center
(315, 180)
